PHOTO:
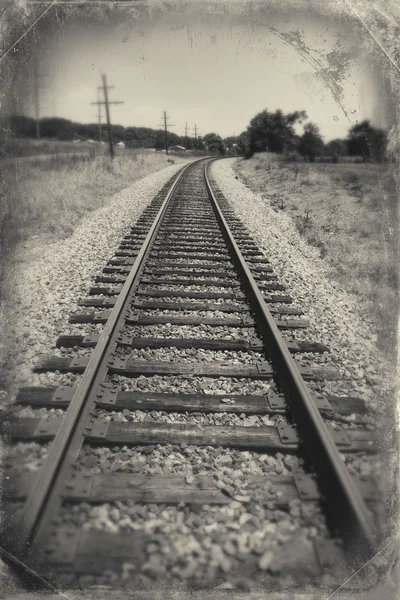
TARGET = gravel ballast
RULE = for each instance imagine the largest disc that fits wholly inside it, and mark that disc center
(191, 541)
(335, 317)
(44, 287)
(189, 332)
(191, 385)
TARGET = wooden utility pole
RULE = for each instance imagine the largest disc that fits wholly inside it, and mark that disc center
(107, 103)
(99, 115)
(196, 133)
(166, 131)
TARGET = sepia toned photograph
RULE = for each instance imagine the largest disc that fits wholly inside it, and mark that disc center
(199, 299)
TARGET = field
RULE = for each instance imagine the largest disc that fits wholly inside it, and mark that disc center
(46, 196)
(347, 211)
(21, 147)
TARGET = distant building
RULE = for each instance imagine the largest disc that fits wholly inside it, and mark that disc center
(120, 145)
(176, 149)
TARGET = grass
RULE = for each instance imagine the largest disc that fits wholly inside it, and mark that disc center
(347, 211)
(19, 147)
(48, 198)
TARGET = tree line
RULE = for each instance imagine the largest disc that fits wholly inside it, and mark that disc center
(266, 132)
(275, 132)
(64, 129)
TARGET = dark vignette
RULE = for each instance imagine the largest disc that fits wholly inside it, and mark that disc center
(380, 16)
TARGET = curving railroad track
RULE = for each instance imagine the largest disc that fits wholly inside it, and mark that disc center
(187, 299)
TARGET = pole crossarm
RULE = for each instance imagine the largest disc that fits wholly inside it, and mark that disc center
(165, 125)
(114, 102)
(106, 102)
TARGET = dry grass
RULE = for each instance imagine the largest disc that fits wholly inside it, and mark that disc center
(349, 212)
(48, 197)
(19, 147)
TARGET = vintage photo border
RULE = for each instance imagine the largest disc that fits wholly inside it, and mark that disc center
(371, 19)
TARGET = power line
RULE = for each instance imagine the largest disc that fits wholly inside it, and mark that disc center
(107, 103)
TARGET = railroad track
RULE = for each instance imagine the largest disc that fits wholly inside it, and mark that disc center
(185, 348)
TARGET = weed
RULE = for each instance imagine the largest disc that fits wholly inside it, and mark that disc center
(307, 221)
(50, 196)
(353, 208)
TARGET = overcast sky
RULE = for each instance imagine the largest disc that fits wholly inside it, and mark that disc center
(213, 73)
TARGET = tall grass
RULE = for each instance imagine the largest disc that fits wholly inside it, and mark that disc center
(347, 211)
(49, 197)
(18, 147)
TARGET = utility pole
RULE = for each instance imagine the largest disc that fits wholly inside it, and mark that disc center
(166, 131)
(99, 115)
(107, 103)
(186, 135)
(196, 132)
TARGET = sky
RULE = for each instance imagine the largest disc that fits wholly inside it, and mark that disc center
(211, 72)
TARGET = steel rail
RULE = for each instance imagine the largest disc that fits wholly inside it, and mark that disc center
(347, 511)
(38, 498)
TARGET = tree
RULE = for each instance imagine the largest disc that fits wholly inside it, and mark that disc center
(273, 132)
(118, 132)
(244, 144)
(159, 143)
(336, 148)
(230, 142)
(198, 144)
(23, 126)
(367, 141)
(311, 144)
(214, 143)
(174, 139)
(55, 127)
(132, 137)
